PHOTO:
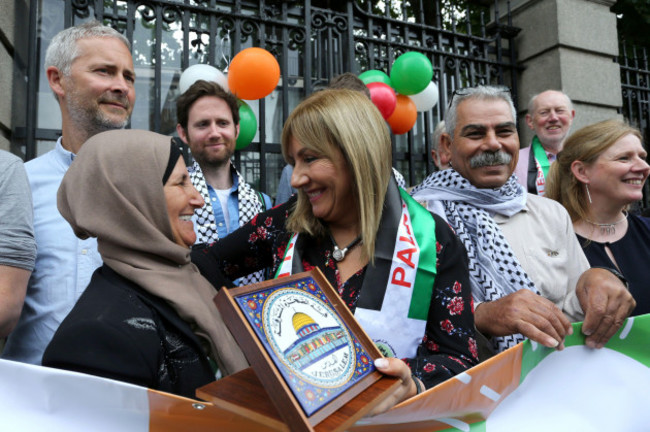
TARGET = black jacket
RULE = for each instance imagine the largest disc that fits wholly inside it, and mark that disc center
(117, 330)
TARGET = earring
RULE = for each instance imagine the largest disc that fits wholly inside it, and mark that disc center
(588, 194)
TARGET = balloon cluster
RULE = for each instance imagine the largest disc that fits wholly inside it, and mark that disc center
(406, 92)
(253, 74)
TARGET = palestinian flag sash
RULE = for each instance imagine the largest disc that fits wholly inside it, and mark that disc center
(542, 164)
(394, 300)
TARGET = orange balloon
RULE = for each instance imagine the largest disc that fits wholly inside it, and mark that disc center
(253, 74)
(404, 116)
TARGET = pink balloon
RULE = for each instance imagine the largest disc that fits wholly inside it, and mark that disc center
(384, 98)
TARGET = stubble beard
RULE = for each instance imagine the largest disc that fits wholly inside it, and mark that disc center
(213, 163)
(92, 119)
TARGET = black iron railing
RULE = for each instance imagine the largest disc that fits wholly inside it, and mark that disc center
(635, 84)
(311, 42)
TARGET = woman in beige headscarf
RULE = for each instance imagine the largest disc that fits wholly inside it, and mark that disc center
(147, 315)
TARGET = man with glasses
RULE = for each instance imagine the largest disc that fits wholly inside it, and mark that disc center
(529, 276)
(550, 115)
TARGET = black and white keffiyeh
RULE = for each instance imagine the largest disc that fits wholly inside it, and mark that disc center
(250, 204)
(399, 178)
(494, 269)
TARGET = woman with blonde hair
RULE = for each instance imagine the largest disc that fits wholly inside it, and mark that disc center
(601, 171)
(400, 269)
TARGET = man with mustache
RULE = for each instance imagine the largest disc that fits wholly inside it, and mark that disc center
(90, 71)
(550, 115)
(529, 276)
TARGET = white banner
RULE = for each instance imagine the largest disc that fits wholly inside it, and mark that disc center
(39, 399)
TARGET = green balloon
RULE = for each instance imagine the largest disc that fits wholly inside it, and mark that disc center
(374, 75)
(411, 73)
(247, 126)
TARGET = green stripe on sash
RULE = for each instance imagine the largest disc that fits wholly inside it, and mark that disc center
(541, 156)
(288, 249)
(424, 230)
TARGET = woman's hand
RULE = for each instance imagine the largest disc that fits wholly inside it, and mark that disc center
(397, 368)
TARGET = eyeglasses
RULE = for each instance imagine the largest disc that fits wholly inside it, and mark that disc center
(469, 90)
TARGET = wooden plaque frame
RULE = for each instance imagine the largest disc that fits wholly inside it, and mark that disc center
(352, 399)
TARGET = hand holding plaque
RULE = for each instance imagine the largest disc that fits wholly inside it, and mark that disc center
(311, 356)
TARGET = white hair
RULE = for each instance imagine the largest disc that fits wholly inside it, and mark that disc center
(531, 102)
(479, 93)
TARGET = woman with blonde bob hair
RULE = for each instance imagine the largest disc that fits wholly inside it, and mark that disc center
(327, 128)
(398, 268)
(601, 171)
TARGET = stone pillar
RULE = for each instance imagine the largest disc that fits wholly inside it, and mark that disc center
(6, 72)
(568, 45)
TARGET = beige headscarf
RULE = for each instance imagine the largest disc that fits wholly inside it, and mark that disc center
(113, 191)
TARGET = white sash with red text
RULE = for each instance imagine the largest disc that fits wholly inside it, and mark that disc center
(398, 327)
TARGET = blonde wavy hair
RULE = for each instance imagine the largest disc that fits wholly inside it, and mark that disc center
(584, 145)
(347, 121)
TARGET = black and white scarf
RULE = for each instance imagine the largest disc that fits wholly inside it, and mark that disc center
(250, 204)
(494, 269)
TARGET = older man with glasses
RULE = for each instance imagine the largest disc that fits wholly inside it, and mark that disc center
(529, 276)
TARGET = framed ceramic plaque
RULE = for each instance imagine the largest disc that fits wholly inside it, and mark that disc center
(306, 348)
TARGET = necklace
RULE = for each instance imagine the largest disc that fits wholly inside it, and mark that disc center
(339, 254)
(608, 228)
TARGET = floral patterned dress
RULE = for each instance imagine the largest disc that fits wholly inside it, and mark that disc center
(448, 346)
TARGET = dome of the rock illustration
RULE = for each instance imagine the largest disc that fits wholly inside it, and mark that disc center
(303, 324)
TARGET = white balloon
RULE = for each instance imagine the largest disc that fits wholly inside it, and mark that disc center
(427, 98)
(202, 72)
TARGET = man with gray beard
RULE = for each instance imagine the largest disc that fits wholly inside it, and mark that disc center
(529, 276)
(90, 71)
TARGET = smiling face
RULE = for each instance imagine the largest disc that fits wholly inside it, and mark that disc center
(182, 199)
(326, 182)
(485, 145)
(98, 93)
(211, 132)
(619, 173)
(551, 119)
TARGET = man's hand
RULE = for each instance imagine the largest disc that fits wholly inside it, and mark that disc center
(525, 312)
(606, 303)
(397, 368)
